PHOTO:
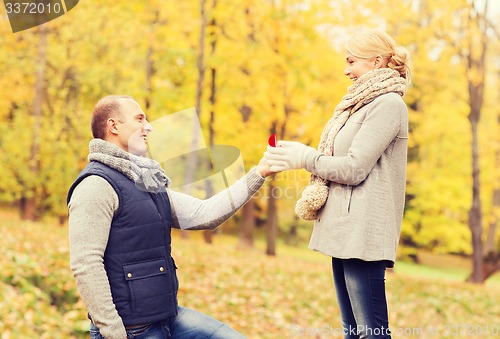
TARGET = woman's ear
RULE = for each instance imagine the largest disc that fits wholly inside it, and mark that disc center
(379, 62)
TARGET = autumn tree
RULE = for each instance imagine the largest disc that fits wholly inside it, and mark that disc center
(470, 40)
(267, 66)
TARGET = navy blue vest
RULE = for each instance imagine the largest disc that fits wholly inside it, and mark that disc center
(137, 259)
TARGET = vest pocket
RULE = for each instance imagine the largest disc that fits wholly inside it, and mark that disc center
(149, 286)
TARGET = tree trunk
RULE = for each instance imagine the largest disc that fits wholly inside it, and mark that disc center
(150, 66)
(491, 246)
(246, 236)
(491, 264)
(201, 58)
(28, 204)
(193, 161)
(272, 219)
(208, 235)
(28, 208)
(476, 70)
(495, 218)
(248, 225)
(491, 260)
(149, 75)
(475, 217)
(292, 238)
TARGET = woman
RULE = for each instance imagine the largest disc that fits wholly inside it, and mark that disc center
(357, 188)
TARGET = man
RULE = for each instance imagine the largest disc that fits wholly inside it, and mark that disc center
(120, 216)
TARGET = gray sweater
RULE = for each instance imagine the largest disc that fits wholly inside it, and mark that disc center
(363, 214)
(91, 210)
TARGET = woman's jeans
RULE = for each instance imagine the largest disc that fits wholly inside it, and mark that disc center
(360, 287)
(187, 324)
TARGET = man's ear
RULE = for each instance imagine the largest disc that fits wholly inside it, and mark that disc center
(112, 125)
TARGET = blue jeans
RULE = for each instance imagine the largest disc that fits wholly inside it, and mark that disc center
(187, 324)
(360, 287)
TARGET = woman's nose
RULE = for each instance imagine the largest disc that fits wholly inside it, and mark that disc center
(347, 71)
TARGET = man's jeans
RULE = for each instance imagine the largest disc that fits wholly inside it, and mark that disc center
(187, 324)
(360, 287)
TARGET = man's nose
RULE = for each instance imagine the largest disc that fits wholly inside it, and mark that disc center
(147, 126)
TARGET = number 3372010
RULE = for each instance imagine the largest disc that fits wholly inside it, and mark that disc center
(33, 8)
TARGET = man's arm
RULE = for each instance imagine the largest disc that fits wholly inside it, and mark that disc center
(195, 214)
(91, 211)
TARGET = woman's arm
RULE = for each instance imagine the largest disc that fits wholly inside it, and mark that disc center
(379, 128)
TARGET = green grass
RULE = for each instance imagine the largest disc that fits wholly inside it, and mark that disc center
(443, 267)
(431, 266)
(424, 271)
(441, 273)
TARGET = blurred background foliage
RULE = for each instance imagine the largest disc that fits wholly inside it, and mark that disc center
(251, 68)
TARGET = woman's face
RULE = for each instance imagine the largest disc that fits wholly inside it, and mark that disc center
(356, 67)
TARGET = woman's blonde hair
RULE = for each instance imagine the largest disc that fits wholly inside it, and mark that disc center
(370, 43)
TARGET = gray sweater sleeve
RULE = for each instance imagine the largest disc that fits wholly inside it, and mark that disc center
(91, 210)
(194, 214)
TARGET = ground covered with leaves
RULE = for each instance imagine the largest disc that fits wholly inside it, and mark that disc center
(290, 295)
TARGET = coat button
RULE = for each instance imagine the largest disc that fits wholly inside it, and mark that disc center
(129, 275)
(162, 269)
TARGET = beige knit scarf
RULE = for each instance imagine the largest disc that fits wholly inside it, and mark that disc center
(369, 86)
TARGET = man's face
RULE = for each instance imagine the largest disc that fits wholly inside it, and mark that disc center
(134, 128)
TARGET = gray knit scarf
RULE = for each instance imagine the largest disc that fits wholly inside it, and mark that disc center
(147, 174)
(368, 86)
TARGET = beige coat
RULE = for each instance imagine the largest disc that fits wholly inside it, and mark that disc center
(363, 214)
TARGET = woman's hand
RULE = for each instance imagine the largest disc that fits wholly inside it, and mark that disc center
(287, 155)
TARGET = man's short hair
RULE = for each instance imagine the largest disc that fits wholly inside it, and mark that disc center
(107, 107)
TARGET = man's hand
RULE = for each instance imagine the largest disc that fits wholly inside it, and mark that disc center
(287, 155)
(263, 168)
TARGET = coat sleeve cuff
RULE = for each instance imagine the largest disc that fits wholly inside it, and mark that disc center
(311, 157)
